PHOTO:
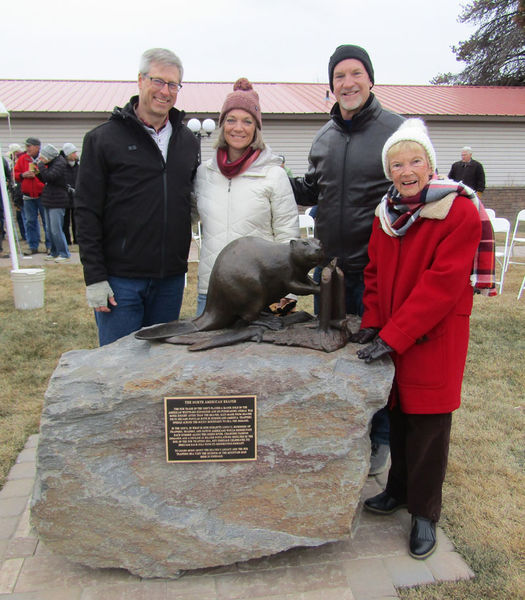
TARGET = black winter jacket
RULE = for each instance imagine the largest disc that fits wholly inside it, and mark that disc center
(54, 194)
(471, 174)
(132, 208)
(345, 179)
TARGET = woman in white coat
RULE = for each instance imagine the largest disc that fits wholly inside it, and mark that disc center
(242, 190)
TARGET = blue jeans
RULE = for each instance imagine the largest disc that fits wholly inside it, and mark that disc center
(55, 223)
(201, 304)
(140, 303)
(33, 206)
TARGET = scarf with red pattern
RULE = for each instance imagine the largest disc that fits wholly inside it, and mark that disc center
(231, 169)
(397, 214)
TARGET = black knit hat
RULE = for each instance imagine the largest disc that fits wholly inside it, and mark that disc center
(349, 51)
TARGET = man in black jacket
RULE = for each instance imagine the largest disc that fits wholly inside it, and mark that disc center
(469, 171)
(132, 204)
(345, 179)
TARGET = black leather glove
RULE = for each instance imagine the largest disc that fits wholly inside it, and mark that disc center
(365, 335)
(374, 350)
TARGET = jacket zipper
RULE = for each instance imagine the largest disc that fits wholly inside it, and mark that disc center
(341, 204)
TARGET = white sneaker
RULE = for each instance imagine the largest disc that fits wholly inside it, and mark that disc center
(61, 259)
(50, 257)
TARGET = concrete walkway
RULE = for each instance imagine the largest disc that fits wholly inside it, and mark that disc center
(370, 566)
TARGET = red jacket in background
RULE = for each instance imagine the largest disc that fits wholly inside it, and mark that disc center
(418, 293)
(30, 186)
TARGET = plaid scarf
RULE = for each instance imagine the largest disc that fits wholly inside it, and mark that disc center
(397, 214)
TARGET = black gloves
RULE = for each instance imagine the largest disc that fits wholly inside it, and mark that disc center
(374, 350)
(365, 335)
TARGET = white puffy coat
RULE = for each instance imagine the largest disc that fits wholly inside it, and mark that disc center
(258, 202)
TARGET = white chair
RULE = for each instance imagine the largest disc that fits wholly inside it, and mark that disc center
(196, 233)
(308, 210)
(517, 237)
(490, 212)
(307, 223)
(501, 225)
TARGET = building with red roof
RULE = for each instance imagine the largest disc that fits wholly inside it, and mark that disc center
(489, 119)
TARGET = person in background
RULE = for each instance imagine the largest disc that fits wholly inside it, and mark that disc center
(431, 247)
(26, 172)
(242, 190)
(15, 151)
(7, 173)
(52, 171)
(468, 171)
(70, 152)
(283, 165)
(345, 180)
(133, 204)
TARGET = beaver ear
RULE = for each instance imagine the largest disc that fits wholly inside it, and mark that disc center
(293, 243)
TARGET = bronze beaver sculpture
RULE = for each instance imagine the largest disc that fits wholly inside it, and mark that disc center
(248, 275)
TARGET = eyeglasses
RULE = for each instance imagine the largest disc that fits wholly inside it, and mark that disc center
(158, 84)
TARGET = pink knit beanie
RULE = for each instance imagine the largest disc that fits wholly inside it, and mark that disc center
(244, 97)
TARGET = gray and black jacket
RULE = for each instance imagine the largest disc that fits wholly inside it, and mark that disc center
(345, 179)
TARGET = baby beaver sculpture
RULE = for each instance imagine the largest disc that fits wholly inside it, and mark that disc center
(249, 275)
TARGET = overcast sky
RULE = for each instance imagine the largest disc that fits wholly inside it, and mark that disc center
(265, 40)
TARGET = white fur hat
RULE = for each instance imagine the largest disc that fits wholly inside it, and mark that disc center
(411, 130)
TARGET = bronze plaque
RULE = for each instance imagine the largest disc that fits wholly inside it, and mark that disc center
(217, 428)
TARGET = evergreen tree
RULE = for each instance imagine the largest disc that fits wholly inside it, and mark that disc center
(495, 53)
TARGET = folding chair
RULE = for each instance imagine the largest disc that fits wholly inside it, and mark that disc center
(501, 225)
(196, 233)
(307, 223)
(308, 210)
(517, 237)
(490, 212)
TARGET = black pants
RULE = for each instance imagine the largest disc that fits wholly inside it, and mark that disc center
(419, 451)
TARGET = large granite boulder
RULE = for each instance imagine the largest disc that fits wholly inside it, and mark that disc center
(105, 496)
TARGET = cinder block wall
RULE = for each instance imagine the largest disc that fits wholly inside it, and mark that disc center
(506, 201)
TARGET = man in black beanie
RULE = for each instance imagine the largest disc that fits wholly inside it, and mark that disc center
(345, 179)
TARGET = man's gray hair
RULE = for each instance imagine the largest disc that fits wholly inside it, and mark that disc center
(161, 56)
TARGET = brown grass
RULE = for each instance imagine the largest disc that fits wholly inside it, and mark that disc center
(483, 509)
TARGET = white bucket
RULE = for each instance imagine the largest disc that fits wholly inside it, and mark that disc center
(28, 287)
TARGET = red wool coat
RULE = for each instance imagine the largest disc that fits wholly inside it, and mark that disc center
(418, 293)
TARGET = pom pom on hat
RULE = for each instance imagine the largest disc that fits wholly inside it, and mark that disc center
(243, 97)
(411, 130)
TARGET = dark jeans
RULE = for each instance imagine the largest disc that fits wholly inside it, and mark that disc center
(354, 288)
(32, 208)
(140, 303)
(419, 451)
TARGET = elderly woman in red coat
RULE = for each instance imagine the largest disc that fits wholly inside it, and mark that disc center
(431, 245)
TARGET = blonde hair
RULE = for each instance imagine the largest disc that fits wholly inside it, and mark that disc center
(257, 142)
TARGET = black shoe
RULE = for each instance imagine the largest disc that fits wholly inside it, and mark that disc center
(422, 537)
(30, 252)
(383, 504)
(379, 458)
